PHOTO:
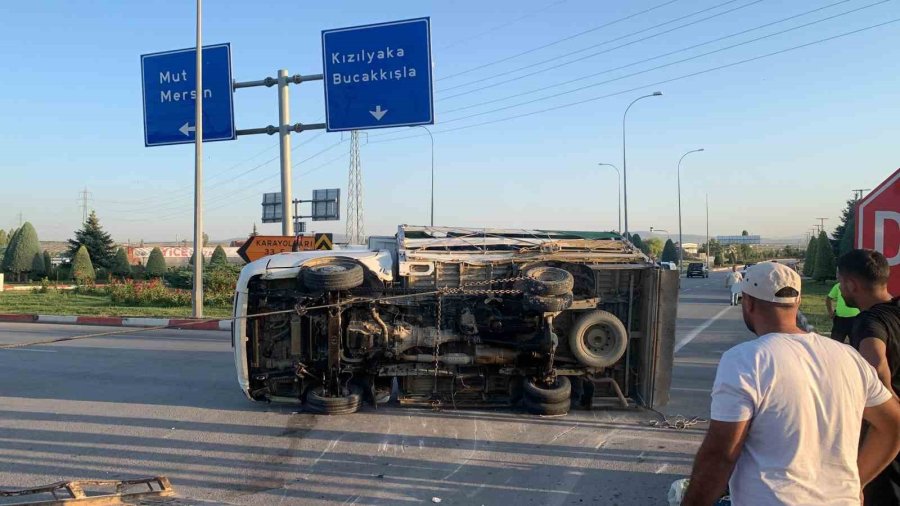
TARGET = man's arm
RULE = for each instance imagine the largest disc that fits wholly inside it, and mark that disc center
(714, 462)
(829, 305)
(882, 442)
(875, 352)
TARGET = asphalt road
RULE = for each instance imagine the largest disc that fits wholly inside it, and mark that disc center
(167, 403)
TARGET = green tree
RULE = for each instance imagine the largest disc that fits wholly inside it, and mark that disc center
(48, 263)
(121, 267)
(156, 264)
(205, 239)
(194, 256)
(843, 233)
(744, 233)
(99, 244)
(37, 266)
(669, 252)
(825, 261)
(719, 260)
(218, 258)
(19, 257)
(82, 267)
(4, 239)
(809, 262)
(654, 246)
(7, 253)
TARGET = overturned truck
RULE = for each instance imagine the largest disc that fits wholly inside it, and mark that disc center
(455, 317)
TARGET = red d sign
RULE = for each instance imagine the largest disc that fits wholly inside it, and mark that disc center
(878, 225)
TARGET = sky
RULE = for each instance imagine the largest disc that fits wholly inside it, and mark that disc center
(529, 97)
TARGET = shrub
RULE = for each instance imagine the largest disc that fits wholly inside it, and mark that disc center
(825, 262)
(147, 293)
(809, 263)
(218, 258)
(19, 257)
(121, 267)
(138, 272)
(82, 268)
(156, 264)
(37, 267)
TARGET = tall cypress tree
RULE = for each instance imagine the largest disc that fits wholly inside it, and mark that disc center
(809, 263)
(121, 267)
(218, 258)
(669, 252)
(825, 262)
(48, 263)
(19, 257)
(638, 243)
(843, 233)
(156, 264)
(37, 266)
(82, 267)
(98, 243)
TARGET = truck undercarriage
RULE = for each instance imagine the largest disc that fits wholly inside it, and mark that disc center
(467, 318)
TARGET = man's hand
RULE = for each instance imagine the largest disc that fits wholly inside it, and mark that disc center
(882, 442)
(714, 462)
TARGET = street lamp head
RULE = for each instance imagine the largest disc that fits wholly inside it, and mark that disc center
(657, 93)
(701, 149)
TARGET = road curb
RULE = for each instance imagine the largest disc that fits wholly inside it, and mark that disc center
(118, 321)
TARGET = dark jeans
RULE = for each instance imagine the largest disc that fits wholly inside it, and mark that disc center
(884, 490)
(841, 328)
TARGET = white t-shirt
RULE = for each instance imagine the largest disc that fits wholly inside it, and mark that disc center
(805, 395)
(733, 278)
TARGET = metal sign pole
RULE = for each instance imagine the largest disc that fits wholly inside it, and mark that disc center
(284, 137)
(197, 297)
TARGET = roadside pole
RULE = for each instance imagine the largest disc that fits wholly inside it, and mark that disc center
(707, 230)
(197, 298)
(284, 140)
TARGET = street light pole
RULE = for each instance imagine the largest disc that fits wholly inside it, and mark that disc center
(680, 238)
(197, 293)
(619, 188)
(624, 164)
(432, 171)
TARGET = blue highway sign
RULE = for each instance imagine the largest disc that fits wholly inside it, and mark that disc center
(378, 76)
(170, 84)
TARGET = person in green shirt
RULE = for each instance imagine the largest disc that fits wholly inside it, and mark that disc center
(842, 316)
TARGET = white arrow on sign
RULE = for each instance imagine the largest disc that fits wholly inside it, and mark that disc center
(185, 129)
(378, 112)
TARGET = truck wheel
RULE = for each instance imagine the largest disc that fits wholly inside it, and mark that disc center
(333, 274)
(318, 402)
(548, 281)
(598, 339)
(551, 304)
(559, 391)
(546, 408)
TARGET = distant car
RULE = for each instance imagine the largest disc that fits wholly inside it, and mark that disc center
(668, 266)
(697, 269)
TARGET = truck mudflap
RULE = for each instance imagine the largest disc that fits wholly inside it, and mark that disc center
(93, 492)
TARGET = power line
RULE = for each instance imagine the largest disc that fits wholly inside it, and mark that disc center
(615, 39)
(501, 26)
(626, 76)
(85, 195)
(558, 41)
(688, 48)
(651, 85)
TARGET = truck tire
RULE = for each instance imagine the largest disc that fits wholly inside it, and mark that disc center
(548, 281)
(318, 402)
(559, 391)
(547, 408)
(333, 274)
(598, 339)
(549, 304)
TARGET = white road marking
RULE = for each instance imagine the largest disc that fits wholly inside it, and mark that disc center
(32, 350)
(696, 332)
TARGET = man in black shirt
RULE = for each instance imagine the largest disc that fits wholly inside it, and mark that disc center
(863, 276)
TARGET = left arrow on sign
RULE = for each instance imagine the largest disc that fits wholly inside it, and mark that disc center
(185, 129)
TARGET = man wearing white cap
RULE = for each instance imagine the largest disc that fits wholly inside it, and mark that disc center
(787, 409)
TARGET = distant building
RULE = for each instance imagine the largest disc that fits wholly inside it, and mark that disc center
(726, 240)
(691, 248)
(176, 256)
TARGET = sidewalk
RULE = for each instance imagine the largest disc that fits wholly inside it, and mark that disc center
(119, 321)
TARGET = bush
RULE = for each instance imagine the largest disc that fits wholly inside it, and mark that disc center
(156, 264)
(138, 272)
(218, 258)
(82, 268)
(37, 267)
(121, 267)
(19, 256)
(809, 263)
(147, 293)
(180, 277)
(102, 275)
